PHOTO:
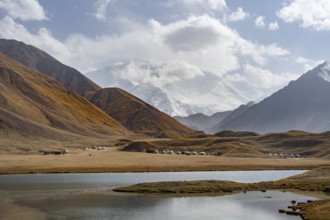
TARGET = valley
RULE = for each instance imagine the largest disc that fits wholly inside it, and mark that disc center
(172, 109)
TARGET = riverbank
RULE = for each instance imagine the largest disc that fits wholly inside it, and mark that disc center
(93, 161)
(315, 180)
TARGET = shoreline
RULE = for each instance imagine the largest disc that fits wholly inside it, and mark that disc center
(317, 180)
(125, 170)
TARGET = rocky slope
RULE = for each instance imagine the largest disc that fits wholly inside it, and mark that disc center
(37, 59)
(34, 105)
(136, 115)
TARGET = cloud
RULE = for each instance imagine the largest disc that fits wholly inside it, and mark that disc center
(260, 22)
(309, 14)
(308, 63)
(217, 48)
(265, 79)
(254, 83)
(163, 45)
(194, 34)
(238, 15)
(192, 38)
(101, 9)
(260, 54)
(273, 26)
(25, 10)
(215, 5)
(157, 73)
(42, 39)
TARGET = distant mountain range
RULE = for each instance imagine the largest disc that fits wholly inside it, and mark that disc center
(157, 84)
(304, 105)
(233, 114)
(201, 122)
(41, 97)
(138, 116)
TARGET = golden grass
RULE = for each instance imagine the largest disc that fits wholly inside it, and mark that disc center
(316, 210)
(37, 104)
(136, 115)
(116, 161)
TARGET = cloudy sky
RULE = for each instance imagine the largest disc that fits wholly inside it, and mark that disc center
(265, 42)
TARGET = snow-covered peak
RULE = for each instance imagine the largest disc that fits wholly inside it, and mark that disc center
(181, 88)
(325, 72)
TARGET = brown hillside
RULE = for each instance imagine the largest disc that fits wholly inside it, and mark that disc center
(274, 145)
(137, 115)
(33, 104)
(37, 59)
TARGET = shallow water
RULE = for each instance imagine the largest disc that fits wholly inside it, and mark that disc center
(89, 196)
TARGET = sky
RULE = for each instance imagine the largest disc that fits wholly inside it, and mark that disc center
(255, 41)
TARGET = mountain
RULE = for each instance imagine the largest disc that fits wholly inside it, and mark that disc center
(37, 59)
(77, 82)
(34, 106)
(304, 105)
(202, 122)
(178, 89)
(233, 114)
(136, 115)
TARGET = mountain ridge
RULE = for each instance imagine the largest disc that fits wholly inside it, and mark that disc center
(34, 105)
(202, 122)
(37, 59)
(136, 115)
(301, 105)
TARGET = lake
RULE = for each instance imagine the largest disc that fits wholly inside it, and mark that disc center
(90, 196)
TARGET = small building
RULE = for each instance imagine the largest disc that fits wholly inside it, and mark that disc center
(56, 152)
(187, 153)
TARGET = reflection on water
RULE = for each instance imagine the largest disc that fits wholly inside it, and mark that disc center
(37, 181)
(89, 196)
(252, 205)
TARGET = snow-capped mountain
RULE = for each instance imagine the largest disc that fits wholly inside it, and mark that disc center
(179, 88)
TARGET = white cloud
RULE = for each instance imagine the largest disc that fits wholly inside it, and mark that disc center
(273, 26)
(218, 5)
(101, 9)
(43, 39)
(310, 14)
(25, 10)
(238, 15)
(260, 54)
(178, 54)
(308, 63)
(157, 73)
(193, 34)
(260, 22)
(266, 79)
(217, 48)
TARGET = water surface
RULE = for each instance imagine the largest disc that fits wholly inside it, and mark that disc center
(90, 196)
